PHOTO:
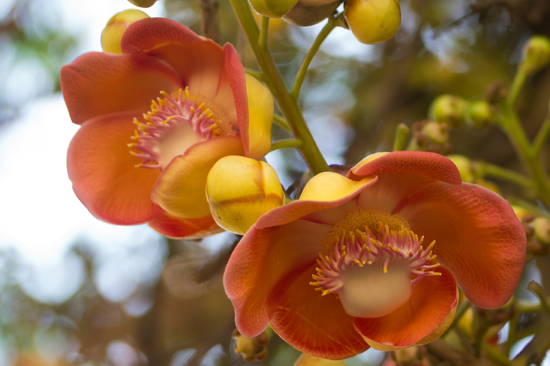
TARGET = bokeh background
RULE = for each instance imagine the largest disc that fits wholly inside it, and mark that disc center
(77, 291)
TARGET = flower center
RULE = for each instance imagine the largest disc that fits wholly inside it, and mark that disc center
(173, 124)
(373, 261)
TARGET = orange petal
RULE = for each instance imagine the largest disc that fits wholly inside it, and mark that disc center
(338, 191)
(178, 228)
(103, 172)
(99, 83)
(180, 189)
(433, 298)
(231, 94)
(478, 238)
(310, 322)
(260, 260)
(199, 61)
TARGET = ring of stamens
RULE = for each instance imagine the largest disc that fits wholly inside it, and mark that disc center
(362, 248)
(184, 112)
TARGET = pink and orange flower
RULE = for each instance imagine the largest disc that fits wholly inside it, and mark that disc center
(374, 258)
(154, 120)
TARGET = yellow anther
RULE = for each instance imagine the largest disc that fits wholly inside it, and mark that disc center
(131, 145)
(369, 262)
(421, 240)
(138, 165)
(326, 292)
(395, 250)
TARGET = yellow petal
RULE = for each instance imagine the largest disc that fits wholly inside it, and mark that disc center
(260, 116)
(328, 186)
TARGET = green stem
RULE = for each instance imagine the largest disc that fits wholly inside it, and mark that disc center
(264, 32)
(300, 77)
(286, 144)
(538, 291)
(401, 135)
(490, 170)
(274, 81)
(281, 122)
(542, 135)
(256, 74)
(495, 356)
(517, 84)
(511, 125)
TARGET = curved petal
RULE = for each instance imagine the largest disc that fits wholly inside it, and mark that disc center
(310, 322)
(256, 134)
(231, 94)
(260, 260)
(400, 174)
(430, 165)
(104, 175)
(178, 228)
(433, 298)
(324, 191)
(478, 238)
(180, 189)
(99, 83)
(199, 61)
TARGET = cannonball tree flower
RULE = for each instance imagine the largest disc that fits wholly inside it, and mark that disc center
(154, 120)
(374, 258)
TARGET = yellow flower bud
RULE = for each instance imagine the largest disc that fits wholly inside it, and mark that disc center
(373, 21)
(536, 54)
(309, 360)
(449, 109)
(542, 230)
(143, 3)
(115, 28)
(480, 113)
(273, 8)
(239, 190)
(464, 167)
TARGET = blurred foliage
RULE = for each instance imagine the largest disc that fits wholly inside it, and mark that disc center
(463, 47)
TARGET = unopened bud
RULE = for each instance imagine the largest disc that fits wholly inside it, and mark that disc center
(480, 113)
(405, 356)
(430, 136)
(464, 167)
(542, 230)
(273, 8)
(116, 26)
(239, 190)
(309, 360)
(310, 12)
(252, 349)
(373, 21)
(143, 3)
(449, 109)
(536, 54)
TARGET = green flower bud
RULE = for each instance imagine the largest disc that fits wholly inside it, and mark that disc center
(536, 54)
(480, 113)
(373, 21)
(115, 28)
(273, 8)
(143, 3)
(449, 109)
(310, 12)
(542, 230)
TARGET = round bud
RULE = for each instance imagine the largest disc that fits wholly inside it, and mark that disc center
(536, 54)
(273, 8)
(448, 109)
(115, 28)
(464, 167)
(143, 3)
(373, 21)
(542, 230)
(239, 190)
(310, 12)
(480, 113)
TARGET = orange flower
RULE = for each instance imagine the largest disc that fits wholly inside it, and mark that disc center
(154, 120)
(385, 247)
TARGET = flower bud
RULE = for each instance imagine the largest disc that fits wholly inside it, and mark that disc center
(310, 12)
(143, 3)
(239, 190)
(536, 54)
(405, 356)
(373, 21)
(309, 360)
(252, 349)
(430, 136)
(542, 230)
(115, 28)
(449, 109)
(480, 113)
(464, 167)
(273, 8)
